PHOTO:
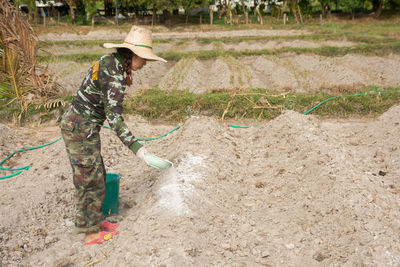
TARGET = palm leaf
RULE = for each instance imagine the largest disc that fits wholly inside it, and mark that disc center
(21, 79)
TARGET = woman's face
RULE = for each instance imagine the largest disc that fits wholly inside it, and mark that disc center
(137, 62)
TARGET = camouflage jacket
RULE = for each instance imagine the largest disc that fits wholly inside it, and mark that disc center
(101, 95)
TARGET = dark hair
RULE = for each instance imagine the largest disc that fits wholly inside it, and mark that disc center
(126, 55)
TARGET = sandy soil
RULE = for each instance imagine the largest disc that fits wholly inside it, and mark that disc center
(217, 45)
(289, 72)
(296, 191)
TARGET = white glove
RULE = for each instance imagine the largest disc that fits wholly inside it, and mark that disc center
(140, 154)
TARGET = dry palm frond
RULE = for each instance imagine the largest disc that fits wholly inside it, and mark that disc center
(20, 78)
(52, 104)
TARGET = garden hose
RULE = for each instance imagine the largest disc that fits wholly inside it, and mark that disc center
(20, 170)
(334, 97)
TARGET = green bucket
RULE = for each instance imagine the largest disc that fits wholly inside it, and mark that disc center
(110, 204)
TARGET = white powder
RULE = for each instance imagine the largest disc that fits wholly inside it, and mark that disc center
(176, 183)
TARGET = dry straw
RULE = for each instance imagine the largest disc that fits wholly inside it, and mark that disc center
(21, 79)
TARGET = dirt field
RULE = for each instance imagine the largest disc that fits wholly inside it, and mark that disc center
(283, 72)
(295, 191)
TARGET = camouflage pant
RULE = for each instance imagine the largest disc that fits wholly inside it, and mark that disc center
(82, 140)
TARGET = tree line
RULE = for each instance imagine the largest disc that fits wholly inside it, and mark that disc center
(232, 11)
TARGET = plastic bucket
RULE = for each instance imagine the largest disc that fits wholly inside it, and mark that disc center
(110, 204)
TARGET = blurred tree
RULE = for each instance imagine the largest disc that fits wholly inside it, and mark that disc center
(91, 8)
(293, 5)
(71, 4)
(246, 14)
(108, 8)
(187, 5)
(378, 11)
(202, 6)
(324, 7)
(394, 4)
(351, 6)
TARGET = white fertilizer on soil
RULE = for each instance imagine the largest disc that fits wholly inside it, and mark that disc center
(176, 183)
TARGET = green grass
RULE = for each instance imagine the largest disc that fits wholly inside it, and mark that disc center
(375, 28)
(255, 104)
(86, 43)
(178, 105)
(10, 111)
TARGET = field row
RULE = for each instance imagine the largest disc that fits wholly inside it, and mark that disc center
(285, 72)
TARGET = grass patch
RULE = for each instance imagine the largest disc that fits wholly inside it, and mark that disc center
(10, 111)
(79, 58)
(86, 43)
(256, 104)
(375, 28)
(260, 104)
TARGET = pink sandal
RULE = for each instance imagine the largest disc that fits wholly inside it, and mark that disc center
(104, 236)
(107, 226)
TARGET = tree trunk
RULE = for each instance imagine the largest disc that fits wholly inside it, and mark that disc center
(230, 12)
(323, 10)
(35, 16)
(379, 10)
(136, 19)
(221, 9)
(71, 11)
(293, 5)
(259, 15)
(187, 17)
(201, 16)
(43, 15)
(93, 20)
(246, 15)
(116, 12)
(301, 17)
(167, 17)
(282, 10)
(211, 14)
(153, 17)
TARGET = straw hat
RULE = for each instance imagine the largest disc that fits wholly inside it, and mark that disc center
(139, 41)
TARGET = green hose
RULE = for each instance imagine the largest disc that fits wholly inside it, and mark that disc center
(241, 127)
(154, 138)
(20, 170)
(334, 97)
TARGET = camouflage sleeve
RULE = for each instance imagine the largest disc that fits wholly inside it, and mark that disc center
(113, 85)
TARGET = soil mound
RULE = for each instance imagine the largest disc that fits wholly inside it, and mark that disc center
(296, 73)
(295, 189)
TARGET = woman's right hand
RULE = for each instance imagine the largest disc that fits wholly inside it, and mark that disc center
(140, 154)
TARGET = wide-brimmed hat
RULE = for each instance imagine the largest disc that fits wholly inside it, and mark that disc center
(139, 41)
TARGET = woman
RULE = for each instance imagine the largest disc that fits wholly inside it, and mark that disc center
(99, 98)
